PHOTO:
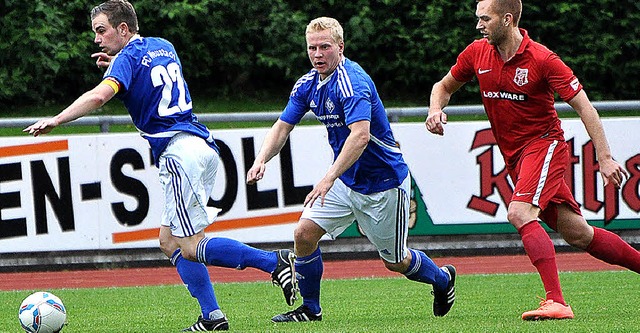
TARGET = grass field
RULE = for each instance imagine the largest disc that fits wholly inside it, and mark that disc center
(602, 302)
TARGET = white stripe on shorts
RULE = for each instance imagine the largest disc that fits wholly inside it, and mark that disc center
(400, 224)
(543, 173)
(181, 209)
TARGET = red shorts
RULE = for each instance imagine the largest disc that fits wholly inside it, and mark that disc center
(539, 179)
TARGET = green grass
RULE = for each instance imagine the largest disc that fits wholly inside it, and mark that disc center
(602, 302)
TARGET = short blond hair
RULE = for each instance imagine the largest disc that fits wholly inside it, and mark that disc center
(327, 23)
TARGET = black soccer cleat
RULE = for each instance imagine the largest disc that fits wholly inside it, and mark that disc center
(206, 325)
(443, 299)
(302, 313)
(284, 275)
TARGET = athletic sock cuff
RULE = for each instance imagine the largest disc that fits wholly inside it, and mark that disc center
(201, 250)
(175, 256)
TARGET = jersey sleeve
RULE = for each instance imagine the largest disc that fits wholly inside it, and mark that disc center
(121, 70)
(463, 70)
(357, 103)
(561, 78)
(297, 105)
(113, 83)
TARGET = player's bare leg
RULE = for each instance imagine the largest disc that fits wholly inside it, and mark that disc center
(600, 243)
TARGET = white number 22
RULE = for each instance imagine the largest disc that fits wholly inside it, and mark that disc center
(167, 77)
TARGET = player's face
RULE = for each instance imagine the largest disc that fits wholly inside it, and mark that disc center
(110, 40)
(325, 53)
(490, 24)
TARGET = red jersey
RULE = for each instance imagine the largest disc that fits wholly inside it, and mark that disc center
(518, 95)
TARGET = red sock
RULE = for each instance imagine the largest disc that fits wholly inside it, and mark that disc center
(612, 249)
(542, 254)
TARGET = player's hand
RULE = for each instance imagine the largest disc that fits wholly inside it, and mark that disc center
(612, 172)
(43, 126)
(319, 191)
(435, 122)
(103, 60)
(255, 173)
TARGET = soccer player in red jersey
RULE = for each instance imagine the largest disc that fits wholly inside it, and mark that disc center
(517, 78)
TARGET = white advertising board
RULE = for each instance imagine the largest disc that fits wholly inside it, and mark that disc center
(84, 192)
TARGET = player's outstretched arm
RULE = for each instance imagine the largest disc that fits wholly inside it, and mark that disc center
(273, 143)
(86, 103)
(611, 171)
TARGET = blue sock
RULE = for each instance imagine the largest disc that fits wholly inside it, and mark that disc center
(226, 252)
(423, 269)
(309, 271)
(196, 277)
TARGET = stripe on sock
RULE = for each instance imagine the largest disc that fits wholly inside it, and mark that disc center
(201, 250)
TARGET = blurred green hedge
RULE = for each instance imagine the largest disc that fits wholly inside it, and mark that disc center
(247, 48)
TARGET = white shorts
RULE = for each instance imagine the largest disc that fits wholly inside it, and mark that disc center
(383, 216)
(188, 168)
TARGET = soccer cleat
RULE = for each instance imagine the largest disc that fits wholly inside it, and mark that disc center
(443, 299)
(206, 325)
(549, 310)
(285, 275)
(302, 313)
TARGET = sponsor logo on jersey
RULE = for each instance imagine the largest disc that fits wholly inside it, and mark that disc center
(522, 76)
(511, 96)
(313, 105)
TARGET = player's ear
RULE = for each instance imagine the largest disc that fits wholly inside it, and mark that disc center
(123, 29)
(508, 18)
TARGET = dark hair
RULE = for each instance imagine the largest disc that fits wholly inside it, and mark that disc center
(117, 11)
(510, 6)
(502, 7)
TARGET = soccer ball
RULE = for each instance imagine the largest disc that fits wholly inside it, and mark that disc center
(42, 312)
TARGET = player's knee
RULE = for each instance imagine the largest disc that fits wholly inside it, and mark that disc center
(189, 253)
(578, 242)
(580, 238)
(304, 238)
(518, 217)
(168, 246)
(399, 267)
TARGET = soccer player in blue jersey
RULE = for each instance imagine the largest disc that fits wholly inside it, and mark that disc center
(368, 180)
(146, 74)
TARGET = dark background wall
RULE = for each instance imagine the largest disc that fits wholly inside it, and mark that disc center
(242, 48)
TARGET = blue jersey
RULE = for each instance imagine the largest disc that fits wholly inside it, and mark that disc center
(346, 96)
(154, 92)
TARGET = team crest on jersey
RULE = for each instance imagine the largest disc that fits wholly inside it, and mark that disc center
(329, 105)
(522, 76)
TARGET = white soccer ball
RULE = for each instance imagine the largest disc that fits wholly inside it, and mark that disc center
(42, 312)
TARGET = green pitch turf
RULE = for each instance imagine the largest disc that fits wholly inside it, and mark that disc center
(602, 302)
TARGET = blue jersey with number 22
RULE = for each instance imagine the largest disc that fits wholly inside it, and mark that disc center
(155, 93)
(346, 96)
